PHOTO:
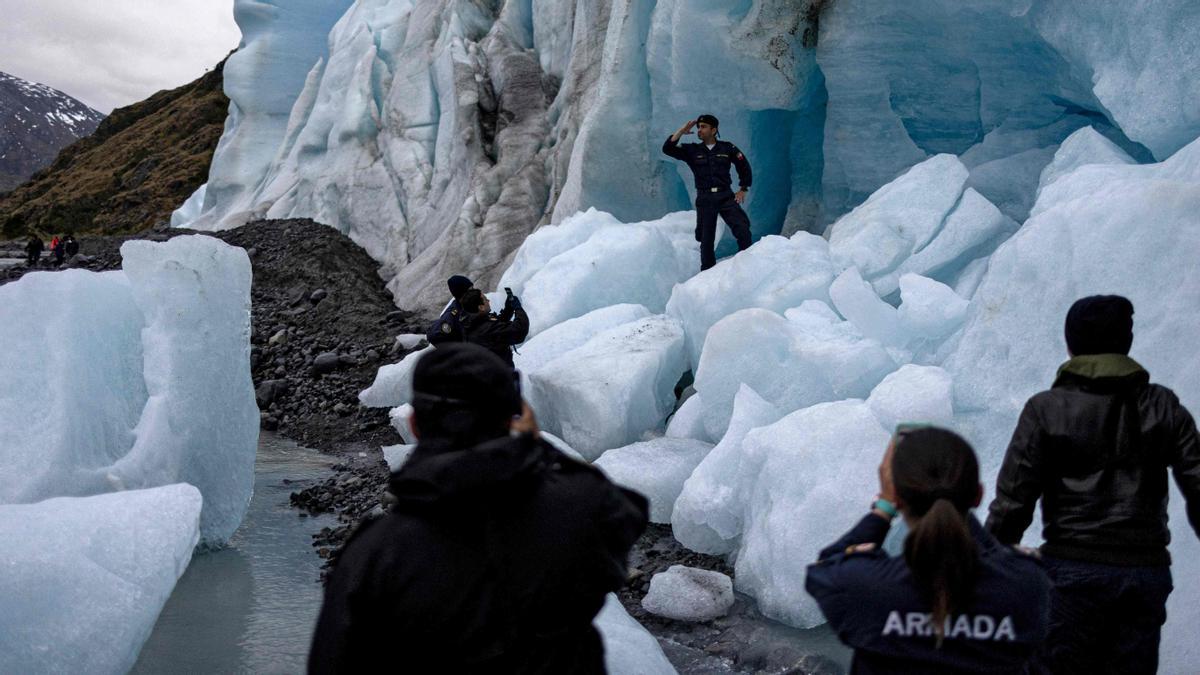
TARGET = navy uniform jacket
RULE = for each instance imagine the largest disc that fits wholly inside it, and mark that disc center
(448, 327)
(872, 603)
(711, 167)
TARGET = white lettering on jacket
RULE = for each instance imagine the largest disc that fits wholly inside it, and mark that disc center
(963, 626)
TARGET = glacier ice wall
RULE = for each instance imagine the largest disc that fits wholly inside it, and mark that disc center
(438, 134)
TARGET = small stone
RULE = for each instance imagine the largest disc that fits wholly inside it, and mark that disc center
(278, 339)
(326, 362)
(318, 295)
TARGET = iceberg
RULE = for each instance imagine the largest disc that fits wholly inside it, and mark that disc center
(392, 386)
(85, 577)
(146, 380)
(689, 594)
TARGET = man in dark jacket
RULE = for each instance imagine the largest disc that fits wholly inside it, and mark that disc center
(496, 333)
(499, 550)
(1096, 449)
(710, 161)
(448, 327)
(33, 250)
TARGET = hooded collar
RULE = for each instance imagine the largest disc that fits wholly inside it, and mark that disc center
(436, 474)
(1101, 371)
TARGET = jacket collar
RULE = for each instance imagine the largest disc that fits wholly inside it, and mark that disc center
(1101, 371)
(439, 474)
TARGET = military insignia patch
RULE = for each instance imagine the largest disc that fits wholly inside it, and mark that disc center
(446, 328)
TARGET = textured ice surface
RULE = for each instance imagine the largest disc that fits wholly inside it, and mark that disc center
(794, 362)
(656, 468)
(400, 417)
(609, 391)
(562, 338)
(856, 300)
(190, 210)
(929, 310)
(393, 383)
(814, 466)
(637, 263)
(143, 379)
(1141, 59)
(629, 649)
(708, 513)
(85, 577)
(397, 455)
(1098, 229)
(775, 273)
(688, 420)
(689, 594)
(1085, 146)
(200, 423)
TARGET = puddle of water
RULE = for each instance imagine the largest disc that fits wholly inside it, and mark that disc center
(250, 607)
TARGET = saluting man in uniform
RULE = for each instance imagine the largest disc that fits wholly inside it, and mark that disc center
(710, 160)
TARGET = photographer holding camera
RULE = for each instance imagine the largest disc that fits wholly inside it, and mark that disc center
(496, 333)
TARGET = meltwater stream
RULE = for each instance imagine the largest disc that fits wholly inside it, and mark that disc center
(251, 607)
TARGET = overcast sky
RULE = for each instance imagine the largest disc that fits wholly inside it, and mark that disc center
(110, 53)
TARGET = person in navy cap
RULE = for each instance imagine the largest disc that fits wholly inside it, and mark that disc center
(448, 327)
(710, 160)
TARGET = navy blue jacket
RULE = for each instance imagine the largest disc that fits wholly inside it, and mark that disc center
(448, 327)
(872, 603)
(711, 167)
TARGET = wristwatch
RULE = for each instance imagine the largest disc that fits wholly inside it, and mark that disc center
(881, 504)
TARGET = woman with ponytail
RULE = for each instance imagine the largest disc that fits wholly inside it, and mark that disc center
(956, 601)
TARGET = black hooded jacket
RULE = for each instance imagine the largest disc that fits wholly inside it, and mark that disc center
(1096, 449)
(495, 560)
(497, 333)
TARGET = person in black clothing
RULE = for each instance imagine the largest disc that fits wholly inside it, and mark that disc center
(709, 161)
(448, 327)
(33, 250)
(496, 333)
(70, 246)
(499, 550)
(956, 601)
(1096, 448)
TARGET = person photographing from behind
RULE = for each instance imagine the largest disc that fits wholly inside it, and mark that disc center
(956, 601)
(496, 333)
(499, 550)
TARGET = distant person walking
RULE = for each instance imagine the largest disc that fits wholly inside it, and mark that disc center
(33, 250)
(710, 160)
(496, 333)
(956, 601)
(57, 249)
(498, 553)
(1095, 449)
(448, 327)
(70, 246)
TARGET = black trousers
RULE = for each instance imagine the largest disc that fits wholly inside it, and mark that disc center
(1103, 618)
(708, 206)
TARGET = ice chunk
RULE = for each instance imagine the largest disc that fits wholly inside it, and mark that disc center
(397, 455)
(929, 309)
(1086, 146)
(791, 363)
(143, 379)
(190, 209)
(608, 392)
(85, 578)
(1011, 182)
(775, 273)
(401, 417)
(688, 420)
(200, 424)
(689, 594)
(856, 300)
(708, 514)
(655, 468)
(898, 219)
(618, 264)
(562, 338)
(629, 649)
(920, 394)
(393, 383)
(797, 506)
(549, 241)
(409, 340)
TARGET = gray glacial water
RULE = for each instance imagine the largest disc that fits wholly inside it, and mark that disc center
(250, 608)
